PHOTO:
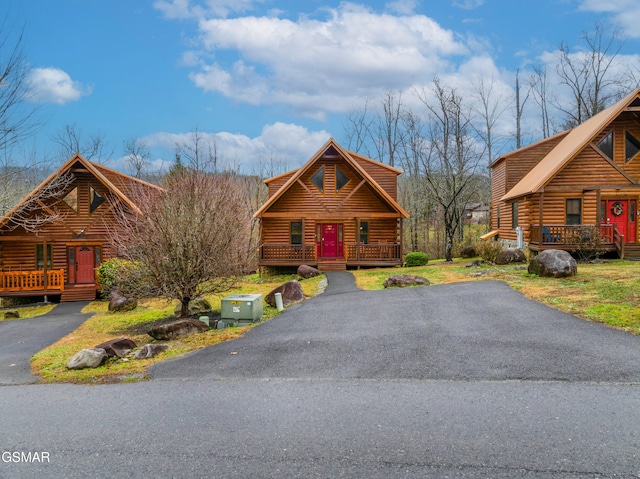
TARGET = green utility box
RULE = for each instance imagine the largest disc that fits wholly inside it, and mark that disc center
(240, 309)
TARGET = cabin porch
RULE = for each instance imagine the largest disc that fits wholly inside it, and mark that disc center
(572, 237)
(353, 255)
(41, 283)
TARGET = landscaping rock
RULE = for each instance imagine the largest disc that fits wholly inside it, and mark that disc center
(306, 272)
(553, 263)
(475, 264)
(511, 255)
(468, 252)
(405, 280)
(118, 303)
(117, 347)
(291, 293)
(12, 314)
(196, 307)
(87, 358)
(150, 350)
(177, 329)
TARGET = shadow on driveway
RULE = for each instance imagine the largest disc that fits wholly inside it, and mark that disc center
(22, 338)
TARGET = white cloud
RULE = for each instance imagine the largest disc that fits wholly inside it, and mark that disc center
(183, 9)
(626, 13)
(287, 144)
(403, 7)
(316, 66)
(52, 85)
(468, 4)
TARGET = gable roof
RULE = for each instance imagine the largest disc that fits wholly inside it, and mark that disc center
(570, 146)
(106, 176)
(351, 160)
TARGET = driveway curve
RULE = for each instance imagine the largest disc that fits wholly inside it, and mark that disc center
(479, 330)
(22, 338)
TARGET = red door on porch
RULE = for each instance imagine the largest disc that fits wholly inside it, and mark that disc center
(622, 214)
(330, 241)
(85, 264)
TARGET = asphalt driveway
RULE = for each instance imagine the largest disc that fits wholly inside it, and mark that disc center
(480, 330)
(20, 339)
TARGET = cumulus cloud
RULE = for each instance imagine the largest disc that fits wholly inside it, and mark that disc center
(182, 9)
(286, 144)
(52, 85)
(320, 65)
(626, 13)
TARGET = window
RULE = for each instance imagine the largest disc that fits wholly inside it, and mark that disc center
(574, 211)
(498, 215)
(632, 146)
(341, 179)
(318, 179)
(364, 232)
(40, 256)
(96, 200)
(514, 214)
(72, 199)
(606, 145)
(296, 232)
(97, 255)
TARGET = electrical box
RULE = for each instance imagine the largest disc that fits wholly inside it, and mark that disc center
(241, 309)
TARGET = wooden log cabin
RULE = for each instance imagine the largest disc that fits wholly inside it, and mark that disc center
(582, 180)
(54, 239)
(338, 210)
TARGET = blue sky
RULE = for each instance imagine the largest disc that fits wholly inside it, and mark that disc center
(275, 78)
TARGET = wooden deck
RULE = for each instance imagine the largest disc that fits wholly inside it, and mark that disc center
(355, 255)
(572, 237)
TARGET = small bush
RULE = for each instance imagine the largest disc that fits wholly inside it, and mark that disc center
(468, 251)
(488, 250)
(112, 273)
(416, 259)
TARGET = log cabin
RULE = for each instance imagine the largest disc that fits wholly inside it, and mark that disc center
(586, 179)
(52, 241)
(338, 210)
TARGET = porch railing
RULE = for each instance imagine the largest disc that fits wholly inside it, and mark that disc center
(31, 280)
(570, 234)
(272, 252)
(373, 252)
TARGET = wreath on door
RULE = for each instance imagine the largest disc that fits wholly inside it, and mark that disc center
(616, 208)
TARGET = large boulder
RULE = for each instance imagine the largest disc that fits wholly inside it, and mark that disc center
(117, 347)
(177, 329)
(306, 272)
(150, 350)
(553, 263)
(511, 255)
(197, 306)
(405, 280)
(291, 292)
(87, 358)
(118, 303)
(12, 314)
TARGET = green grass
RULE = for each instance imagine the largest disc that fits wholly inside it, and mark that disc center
(50, 363)
(27, 311)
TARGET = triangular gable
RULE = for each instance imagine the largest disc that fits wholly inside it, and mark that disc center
(98, 171)
(331, 143)
(570, 146)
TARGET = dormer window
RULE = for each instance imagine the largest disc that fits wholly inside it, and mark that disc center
(632, 146)
(341, 179)
(71, 199)
(606, 145)
(96, 200)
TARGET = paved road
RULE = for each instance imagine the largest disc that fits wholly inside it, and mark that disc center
(21, 339)
(466, 380)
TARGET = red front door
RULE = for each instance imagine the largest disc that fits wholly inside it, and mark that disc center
(85, 264)
(330, 241)
(621, 213)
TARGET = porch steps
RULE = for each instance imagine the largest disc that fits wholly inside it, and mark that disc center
(332, 266)
(632, 252)
(78, 293)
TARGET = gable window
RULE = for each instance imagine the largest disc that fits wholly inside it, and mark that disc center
(40, 256)
(514, 214)
(363, 234)
(295, 232)
(606, 145)
(318, 179)
(71, 199)
(574, 211)
(341, 179)
(96, 199)
(632, 146)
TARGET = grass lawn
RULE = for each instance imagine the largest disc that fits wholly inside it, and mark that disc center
(28, 311)
(607, 292)
(50, 363)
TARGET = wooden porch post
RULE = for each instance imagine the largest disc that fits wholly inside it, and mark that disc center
(358, 239)
(598, 218)
(45, 269)
(540, 218)
(304, 252)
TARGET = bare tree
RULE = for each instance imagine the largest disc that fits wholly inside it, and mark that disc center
(452, 160)
(186, 242)
(520, 101)
(71, 140)
(357, 130)
(137, 155)
(490, 106)
(539, 87)
(199, 152)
